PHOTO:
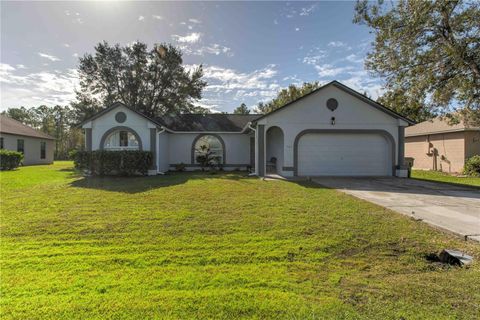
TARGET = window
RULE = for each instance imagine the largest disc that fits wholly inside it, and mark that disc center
(43, 149)
(1, 143)
(209, 143)
(20, 145)
(121, 140)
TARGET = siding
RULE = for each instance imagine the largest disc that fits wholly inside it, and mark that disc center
(449, 155)
(31, 147)
(472, 144)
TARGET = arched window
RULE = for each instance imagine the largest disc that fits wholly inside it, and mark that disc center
(121, 140)
(211, 145)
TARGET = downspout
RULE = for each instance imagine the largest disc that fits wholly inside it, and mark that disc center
(158, 150)
(254, 130)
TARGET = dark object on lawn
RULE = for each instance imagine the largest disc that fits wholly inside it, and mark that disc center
(455, 257)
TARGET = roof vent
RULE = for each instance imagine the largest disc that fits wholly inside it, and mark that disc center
(332, 104)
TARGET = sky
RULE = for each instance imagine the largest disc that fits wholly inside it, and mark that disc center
(249, 50)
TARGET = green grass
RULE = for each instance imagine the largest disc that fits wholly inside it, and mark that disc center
(445, 178)
(218, 246)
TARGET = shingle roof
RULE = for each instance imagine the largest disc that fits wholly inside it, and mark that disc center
(436, 125)
(11, 126)
(215, 122)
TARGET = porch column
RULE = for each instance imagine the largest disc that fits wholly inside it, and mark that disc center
(153, 147)
(88, 139)
(401, 147)
(261, 150)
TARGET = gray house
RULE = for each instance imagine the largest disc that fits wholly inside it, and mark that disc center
(333, 131)
(36, 146)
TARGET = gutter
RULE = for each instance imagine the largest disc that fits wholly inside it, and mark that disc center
(249, 125)
(163, 129)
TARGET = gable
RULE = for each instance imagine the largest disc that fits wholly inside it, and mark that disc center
(108, 118)
(352, 108)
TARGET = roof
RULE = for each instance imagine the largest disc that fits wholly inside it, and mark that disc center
(437, 125)
(212, 122)
(352, 92)
(12, 126)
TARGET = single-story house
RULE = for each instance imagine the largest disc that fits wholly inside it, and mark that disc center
(437, 145)
(37, 147)
(333, 131)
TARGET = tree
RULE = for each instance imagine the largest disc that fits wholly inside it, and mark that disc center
(427, 50)
(153, 82)
(400, 101)
(242, 109)
(286, 96)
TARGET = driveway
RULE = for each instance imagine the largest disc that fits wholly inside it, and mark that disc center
(453, 208)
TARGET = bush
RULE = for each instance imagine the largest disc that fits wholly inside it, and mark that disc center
(10, 160)
(472, 166)
(123, 163)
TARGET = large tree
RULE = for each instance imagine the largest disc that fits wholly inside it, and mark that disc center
(242, 109)
(428, 51)
(287, 95)
(154, 82)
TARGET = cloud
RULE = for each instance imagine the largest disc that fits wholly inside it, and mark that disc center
(354, 58)
(275, 21)
(315, 56)
(308, 10)
(328, 70)
(189, 38)
(141, 18)
(215, 49)
(297, 29)
(49, 57)
(195, 21)
(21, 66)
(336, 44)
(66, 45)
(33, 89)
(156, 16)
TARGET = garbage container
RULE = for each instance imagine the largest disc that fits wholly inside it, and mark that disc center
(409, 163)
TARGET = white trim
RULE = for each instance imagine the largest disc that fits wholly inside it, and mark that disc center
(440, 132)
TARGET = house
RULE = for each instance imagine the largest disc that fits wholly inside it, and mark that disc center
(333, 131)
(437, 145)
(36, 146)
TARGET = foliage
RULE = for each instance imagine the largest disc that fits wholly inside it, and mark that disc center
(10, 160)
(223, 246)
(472, 166)
(426, 50)
(154, 82)
(242, 109)
(438, 176)
(286, 96)
(57, 121)
(400, 102)
(123, 163)
(207, 158)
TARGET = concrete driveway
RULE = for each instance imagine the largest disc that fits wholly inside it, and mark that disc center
(453, 208)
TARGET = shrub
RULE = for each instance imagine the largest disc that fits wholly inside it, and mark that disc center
(472, 166)
(10, 160)
(124, 163)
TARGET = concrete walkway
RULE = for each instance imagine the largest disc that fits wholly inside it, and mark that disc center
(453, 208)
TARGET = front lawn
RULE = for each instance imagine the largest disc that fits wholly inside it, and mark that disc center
(437, 176)
(217, 246)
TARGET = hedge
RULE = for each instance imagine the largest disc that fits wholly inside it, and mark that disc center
(10, 160)
(472, 166)
(124, 163)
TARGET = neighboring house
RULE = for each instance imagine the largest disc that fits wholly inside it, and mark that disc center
(437, 145)
(36, 146)
(333, 131)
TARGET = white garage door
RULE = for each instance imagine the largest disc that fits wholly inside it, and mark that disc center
(339, 154)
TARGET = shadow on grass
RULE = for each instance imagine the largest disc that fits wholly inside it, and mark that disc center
(140, 184)
(453, 184)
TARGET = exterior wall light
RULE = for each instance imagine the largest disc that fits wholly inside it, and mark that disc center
(332, 121)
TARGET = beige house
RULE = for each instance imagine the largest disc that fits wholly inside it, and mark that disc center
(436, 145)
(36, 146)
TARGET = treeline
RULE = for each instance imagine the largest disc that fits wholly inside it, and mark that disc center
(57, 121)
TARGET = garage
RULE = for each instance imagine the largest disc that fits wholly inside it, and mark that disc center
(344, 154)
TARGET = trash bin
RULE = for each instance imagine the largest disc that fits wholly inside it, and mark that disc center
(409, 163)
